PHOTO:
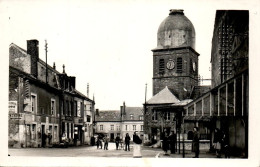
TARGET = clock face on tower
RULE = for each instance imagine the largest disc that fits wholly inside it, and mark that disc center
(170, 64)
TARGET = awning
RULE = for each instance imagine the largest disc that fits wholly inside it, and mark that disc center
(198, 118)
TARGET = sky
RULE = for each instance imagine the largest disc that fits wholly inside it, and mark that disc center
(104, 43)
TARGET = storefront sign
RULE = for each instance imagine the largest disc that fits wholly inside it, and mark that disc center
(16, 116)
(13, 106)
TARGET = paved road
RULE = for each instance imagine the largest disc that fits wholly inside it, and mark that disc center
(81, 151)
(92, 151)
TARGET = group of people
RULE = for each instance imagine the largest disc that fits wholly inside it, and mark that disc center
(100, 144)
(168, 142)
(220, 143)
(136, 147)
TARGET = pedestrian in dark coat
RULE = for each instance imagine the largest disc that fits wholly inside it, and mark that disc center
(127, 142)
(137, 146)
(217, 142)
(105, 142)
(172, 141)
(117, 140)
(195, 143)
(165, 143)
(44, 136)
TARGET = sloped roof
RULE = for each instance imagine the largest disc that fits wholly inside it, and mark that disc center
(108, 115)
(136, 111)
(163, 97)
(183, 102)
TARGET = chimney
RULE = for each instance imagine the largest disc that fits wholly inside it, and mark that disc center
(88, 90)
(124, 108)
(63, 69)
(33, 50)
(54, 66)
(97, 112)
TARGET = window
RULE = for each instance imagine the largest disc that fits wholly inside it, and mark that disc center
(78, 109)
(154, 115)
(167, 116)
(88, 118)
(131, 116)
(142, 127)
(101, 127)
(126, 127)
(75, 109)
(134, 127)
(118, 128)
(53, 107)
(179, 65)
(34, 103)
(112, 127)
(85, 107)
(161, 66)
(141, 117)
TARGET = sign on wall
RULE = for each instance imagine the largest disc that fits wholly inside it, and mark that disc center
(13, 106)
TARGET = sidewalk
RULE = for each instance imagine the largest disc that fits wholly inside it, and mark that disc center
(189, 154)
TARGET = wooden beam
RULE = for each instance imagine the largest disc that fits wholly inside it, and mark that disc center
(194, 109)
(226, 99)
(219, 101)
(202, 106)
(243, 94)
(235, 97)
(210, 104)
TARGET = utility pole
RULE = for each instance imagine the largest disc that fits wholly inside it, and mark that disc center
(46, 50)
(145, 98)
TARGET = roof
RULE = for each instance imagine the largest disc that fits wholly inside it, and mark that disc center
(165, 96)
(108, 115)
(183, 102)
(136, 111)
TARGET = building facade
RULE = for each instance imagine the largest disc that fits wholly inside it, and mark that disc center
(226, 104)
(41, 101)
(175, 76)
(119, 122)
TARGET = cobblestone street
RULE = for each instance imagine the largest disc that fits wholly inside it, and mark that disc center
(92, 151)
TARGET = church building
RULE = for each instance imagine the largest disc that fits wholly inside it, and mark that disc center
(175, 76)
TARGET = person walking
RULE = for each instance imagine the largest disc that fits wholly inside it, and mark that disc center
(127, 142)
(117, 140)
(226, 145)
(195, 142)
(105, 142)
(165, 143)
(44, 136)
(217, 142)
(172, 141)
(137, 146)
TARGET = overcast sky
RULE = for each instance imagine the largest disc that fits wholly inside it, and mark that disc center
(105, 44)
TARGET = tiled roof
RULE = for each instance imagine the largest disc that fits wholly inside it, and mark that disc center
(136, 111)
(163, 97)
(109, 115)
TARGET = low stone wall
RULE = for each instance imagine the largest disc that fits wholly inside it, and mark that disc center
(204, 145)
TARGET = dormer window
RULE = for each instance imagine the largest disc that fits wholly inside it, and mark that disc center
(131, 116)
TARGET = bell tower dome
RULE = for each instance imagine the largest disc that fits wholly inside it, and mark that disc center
(175, 62)
(176, 30)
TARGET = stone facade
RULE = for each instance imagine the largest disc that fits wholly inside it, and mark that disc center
(38, 107)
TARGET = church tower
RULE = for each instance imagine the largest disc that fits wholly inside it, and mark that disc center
(175, 62)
